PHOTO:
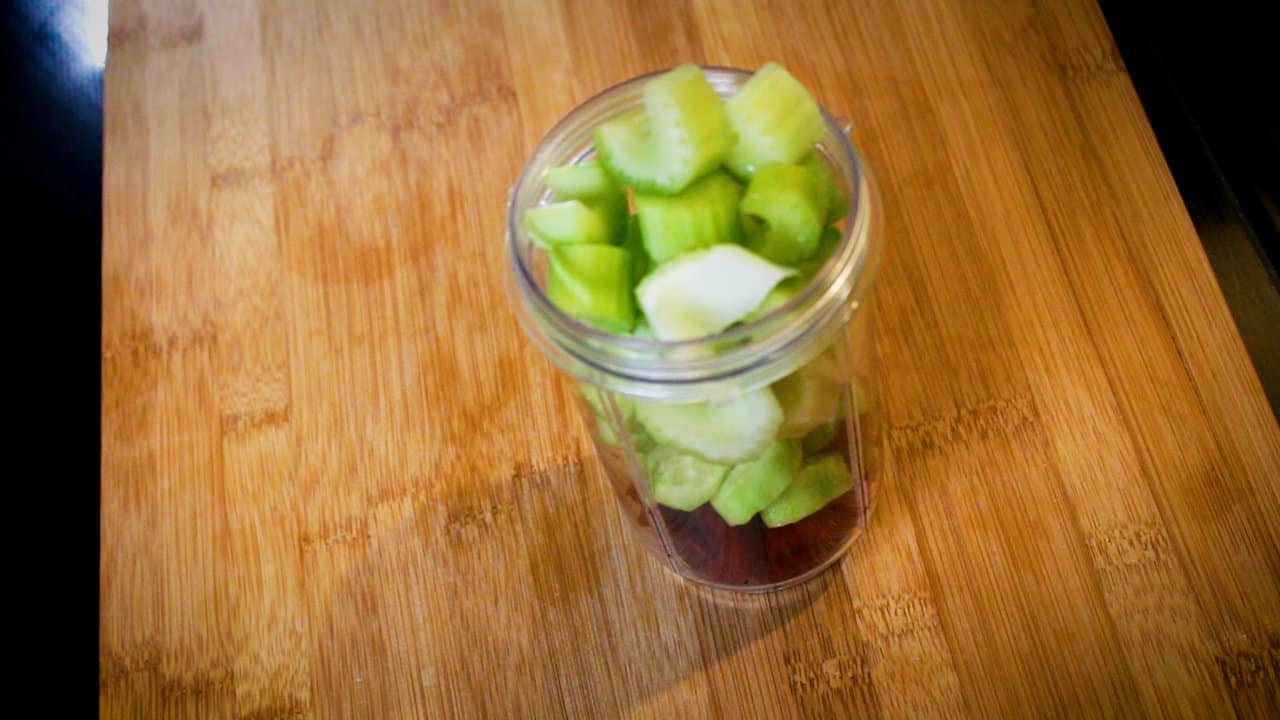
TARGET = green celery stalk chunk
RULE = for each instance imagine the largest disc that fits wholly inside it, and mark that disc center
(680, 135)
(634, 244)
(783, 210)
(568, 222)
(827, 244)
(837, 204)
(592, 282)
(775, 120)
(702, 215)
(584, 181)
(588, 183)
(782, 293)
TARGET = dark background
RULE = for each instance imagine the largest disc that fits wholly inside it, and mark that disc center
(1207, 75)
(52, 190)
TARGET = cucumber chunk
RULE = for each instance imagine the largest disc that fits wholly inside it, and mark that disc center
(733, 431)
(703, 292)
(784, 210)
(704, 214)
(751, 486)
(819, 438)
(820, 481)
(682, 481)
(809, 397)
(774, 118)
(593, 283)
(568, 222)
(681, 135)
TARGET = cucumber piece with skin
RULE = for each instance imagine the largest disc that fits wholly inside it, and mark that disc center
(593, 283)
(702, 215)
(682, 481)
(681, 134)
(820, 481)
(732, 431)
(774, 119)
(703, 292)
(820, 437)
(809, 397)
(751, 486)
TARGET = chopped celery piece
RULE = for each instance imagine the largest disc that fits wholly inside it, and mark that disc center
(583, 181)
(704, 214)
(681, 135)
(593, 284)
(784, 209)
(774, 118)
(568, 222)
(634, 244)
(837, 205)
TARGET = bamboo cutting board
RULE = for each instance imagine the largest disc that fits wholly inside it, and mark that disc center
(338, 482)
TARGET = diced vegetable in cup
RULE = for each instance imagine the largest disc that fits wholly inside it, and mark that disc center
(701, 216)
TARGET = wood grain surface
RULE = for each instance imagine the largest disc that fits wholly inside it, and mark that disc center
(338, 482)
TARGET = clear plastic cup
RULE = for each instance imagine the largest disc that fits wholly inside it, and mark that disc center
(814, 353)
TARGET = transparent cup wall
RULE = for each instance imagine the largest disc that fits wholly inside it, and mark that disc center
(815, 355)
(839, 388)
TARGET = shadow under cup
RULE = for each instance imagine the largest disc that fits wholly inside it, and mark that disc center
(819, 343)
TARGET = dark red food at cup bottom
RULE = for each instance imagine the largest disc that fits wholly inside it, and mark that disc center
(703, 546)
